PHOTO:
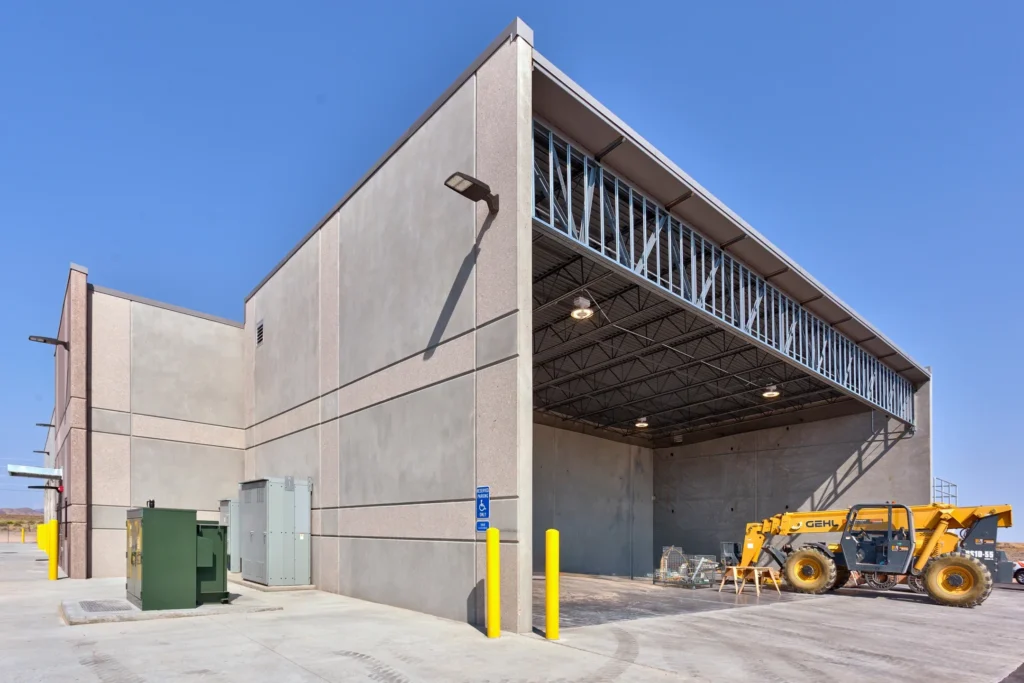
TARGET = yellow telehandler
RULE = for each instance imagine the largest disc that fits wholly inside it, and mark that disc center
(947, 551)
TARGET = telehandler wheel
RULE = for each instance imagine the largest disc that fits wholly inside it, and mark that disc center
(915, 583)
(842, 576)
(957, 580)
(881, 581)
(808, 570)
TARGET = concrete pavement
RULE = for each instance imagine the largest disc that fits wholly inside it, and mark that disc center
(316, 637)
(323, 637)
(854, 635)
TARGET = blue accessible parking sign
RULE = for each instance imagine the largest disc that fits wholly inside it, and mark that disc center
(483, 508)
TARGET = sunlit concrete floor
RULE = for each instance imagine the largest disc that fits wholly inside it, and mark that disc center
(592, 600)
(854, 636)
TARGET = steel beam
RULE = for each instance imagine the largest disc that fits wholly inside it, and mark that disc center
(770, 411)
(683, 366)
(697, 385)
(691, 336)
(671, 430)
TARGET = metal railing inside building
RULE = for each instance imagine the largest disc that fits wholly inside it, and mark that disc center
(576, 196)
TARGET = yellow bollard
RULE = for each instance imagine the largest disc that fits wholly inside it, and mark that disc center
(493, 584)
(53, 539)
(22, 534)
(551, 584)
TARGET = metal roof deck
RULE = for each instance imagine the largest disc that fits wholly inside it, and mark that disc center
(643, 354)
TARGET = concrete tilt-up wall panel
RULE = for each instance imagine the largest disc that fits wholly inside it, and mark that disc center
(415, 390)
(165, 416)
(705, 493)
(598, 494)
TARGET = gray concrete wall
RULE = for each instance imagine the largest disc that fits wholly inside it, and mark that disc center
(705, 493)
(598, 494)
(166, 416)
(185, 367)
(390, 371)
(287, 367)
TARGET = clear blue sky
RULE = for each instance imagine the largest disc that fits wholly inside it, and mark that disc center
(179, 152)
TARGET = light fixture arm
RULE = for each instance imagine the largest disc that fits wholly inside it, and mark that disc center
(492, 203)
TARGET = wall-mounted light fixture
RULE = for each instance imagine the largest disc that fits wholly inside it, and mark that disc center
(48, 340)
(581, 308)
(642, 423)
(44, 424)
(43, 452)
(473, 189)
(771, 391)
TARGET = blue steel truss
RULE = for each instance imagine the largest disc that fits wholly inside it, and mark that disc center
(576, 196)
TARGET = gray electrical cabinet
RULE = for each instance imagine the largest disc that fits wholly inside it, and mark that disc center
(229, 518)
(275, 524)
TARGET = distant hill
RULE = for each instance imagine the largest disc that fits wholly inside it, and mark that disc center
(20, 512)
(1014, 551)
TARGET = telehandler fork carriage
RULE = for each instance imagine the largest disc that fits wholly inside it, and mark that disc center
(949, 551)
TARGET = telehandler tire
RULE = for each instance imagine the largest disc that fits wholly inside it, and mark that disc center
(881, 581)
(957, 580)
(842, 576)
(808, 570)
(915, 583)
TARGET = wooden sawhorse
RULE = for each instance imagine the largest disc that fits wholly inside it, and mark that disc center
(757, 572)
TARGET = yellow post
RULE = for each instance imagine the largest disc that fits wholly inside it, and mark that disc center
(22, 534)
(493, 584)
(551, 584)
(52, 564)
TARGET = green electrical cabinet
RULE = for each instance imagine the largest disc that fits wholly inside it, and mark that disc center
(183, 563)
(162, 572)
(211, 562)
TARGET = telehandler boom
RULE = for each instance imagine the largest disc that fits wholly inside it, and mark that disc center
(947, 551)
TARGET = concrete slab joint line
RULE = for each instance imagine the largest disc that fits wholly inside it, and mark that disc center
(111, 421)
(448, 343)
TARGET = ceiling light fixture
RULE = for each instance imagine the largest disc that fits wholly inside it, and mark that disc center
(581, 308)
(641, 423)
(771, 391)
